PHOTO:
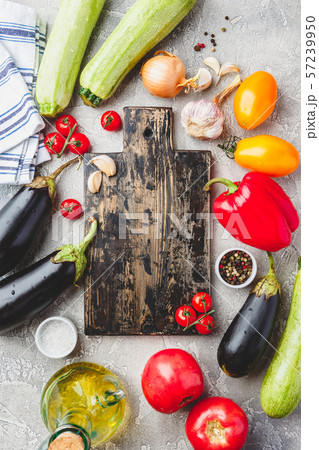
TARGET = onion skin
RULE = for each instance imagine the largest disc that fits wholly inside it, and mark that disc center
(162, 74)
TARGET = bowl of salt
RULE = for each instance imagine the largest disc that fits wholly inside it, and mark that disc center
(56, 337)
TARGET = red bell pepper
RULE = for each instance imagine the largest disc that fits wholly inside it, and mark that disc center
(256, 211)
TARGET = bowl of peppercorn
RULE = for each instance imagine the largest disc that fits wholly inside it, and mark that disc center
(236, 267)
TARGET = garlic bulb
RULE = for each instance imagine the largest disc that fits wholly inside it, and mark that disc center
(202, 119)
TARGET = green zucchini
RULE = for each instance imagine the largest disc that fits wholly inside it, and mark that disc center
(281, 389)
(145, 24)
(64, 52)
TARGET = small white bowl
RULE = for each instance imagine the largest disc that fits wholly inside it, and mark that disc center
(253, 268)
(65, 345)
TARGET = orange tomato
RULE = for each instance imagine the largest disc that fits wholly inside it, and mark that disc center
(255, 99)
(267, 154)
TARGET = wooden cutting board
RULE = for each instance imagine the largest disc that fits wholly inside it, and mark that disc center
(152, 251)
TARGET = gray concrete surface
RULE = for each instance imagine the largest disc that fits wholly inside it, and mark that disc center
(265, 37)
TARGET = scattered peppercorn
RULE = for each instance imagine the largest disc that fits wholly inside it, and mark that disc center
(212, 35)
(197, 48)
(235, 267)
(214, 44)
(223, 30)
(226, 18)
(212, 41)
(205, 34)
(213, 49)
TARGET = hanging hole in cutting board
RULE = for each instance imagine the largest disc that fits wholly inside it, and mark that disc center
(148, 133)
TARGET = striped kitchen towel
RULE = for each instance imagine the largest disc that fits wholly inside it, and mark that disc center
(22, 41)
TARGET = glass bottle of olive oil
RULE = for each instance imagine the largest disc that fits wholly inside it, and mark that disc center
(83, 403)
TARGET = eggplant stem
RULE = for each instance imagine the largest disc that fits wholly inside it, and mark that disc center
(271, 263)
(57, 172)
(88, 238)
(268, 285)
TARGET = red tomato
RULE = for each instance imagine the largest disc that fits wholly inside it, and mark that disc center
(185, 315)
(171, 379)
(54, 143)
(64, 124)
(205, 325)
(79, 144)
(217, 423)
(71, 209)
(111, 121)
(202, 302)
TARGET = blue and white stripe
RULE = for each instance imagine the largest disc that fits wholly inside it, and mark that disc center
(22, 42)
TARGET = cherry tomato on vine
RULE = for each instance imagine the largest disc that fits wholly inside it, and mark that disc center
(64, 124)
(79, 144)
(255, 99)
(202, 302)
(185, 315)
(54, 143)
(71, 209)
(111, 121)
(205, 325)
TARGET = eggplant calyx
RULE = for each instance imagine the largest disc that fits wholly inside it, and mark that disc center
(268, 285)
(76, 253)
(49, 181)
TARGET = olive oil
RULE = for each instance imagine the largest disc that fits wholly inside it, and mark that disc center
(83, 398)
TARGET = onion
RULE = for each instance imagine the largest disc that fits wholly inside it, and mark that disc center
(164, 75)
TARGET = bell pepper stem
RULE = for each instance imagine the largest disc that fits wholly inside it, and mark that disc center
(232, 187)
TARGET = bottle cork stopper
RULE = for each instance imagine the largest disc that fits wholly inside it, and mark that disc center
(67, 441)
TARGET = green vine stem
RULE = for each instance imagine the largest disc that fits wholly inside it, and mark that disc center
(229, 146)
(198, 320)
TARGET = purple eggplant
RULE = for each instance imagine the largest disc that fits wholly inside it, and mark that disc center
(23, 216)
(248, 335)
(27, 293)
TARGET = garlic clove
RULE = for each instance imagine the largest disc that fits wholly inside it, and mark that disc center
(105, 163)
(204, 79)
(227, 68)
(213, 64)
(94, 182)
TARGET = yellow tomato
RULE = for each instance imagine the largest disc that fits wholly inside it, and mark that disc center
(267, 154)
(255, 99)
